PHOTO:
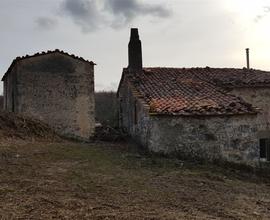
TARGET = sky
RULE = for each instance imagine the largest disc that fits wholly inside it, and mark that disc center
(174, 33)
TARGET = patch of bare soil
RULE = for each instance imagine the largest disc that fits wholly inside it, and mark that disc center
(21, 129)
(107, 181)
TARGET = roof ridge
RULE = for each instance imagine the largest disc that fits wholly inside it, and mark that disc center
(19, 58)
(206, 67)
(52, 51)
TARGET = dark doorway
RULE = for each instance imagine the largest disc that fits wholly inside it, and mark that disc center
(265, 149)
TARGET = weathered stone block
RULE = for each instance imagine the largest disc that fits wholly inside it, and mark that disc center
(55, 88)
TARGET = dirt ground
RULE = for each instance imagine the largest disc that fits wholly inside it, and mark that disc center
(110, 181)
(22, 129)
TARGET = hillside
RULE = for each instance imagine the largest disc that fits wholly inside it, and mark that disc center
(113, 181)
(15, 127)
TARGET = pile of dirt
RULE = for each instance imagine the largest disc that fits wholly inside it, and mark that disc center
(19, 127)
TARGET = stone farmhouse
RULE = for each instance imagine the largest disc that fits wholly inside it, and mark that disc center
(54, 87)
(213, 114)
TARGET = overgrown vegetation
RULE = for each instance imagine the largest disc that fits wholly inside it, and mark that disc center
(106, 108)
(19, 127)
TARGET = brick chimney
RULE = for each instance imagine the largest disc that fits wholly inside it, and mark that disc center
(135, 51)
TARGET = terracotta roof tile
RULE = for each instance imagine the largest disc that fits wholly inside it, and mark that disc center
(232, 78)
(175, 91)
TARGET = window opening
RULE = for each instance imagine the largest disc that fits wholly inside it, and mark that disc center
(265, 149)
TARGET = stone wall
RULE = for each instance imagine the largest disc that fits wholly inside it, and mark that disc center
(231, 138)
(259, 97)
(1, 103)
(59, 90)
(133, 115)
(10, 91)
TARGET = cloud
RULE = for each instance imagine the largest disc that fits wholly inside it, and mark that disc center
(125, 11)
(93, 14)
(266, 11)
(45, 23)
(84, 13)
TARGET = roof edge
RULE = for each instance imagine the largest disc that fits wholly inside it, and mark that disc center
(121, 81)
(203, 115)
(14, 62)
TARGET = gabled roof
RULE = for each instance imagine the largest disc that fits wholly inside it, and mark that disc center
(14, 62)
(181, 91)
(233, 78)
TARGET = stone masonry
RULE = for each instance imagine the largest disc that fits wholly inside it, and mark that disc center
(211, 114)
(211, 138)
(56, 88)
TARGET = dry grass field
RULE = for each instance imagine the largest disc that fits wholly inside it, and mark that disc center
(110, 181)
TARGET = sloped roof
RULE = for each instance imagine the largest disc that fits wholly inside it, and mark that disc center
(14, 62)
(181, 91)
(233, 78)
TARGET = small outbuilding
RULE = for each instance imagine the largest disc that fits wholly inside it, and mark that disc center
(200, 113)
(54, 87)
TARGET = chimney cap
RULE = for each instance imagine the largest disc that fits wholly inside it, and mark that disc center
(134, 33)
(135, 51)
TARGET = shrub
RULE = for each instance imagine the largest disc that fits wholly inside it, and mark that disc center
(106, 108)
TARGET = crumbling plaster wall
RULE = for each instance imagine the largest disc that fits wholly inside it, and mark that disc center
(259, 97)
(128, 107)
(59, 90)
(1, 103)
(10, 91)
(231, 138)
